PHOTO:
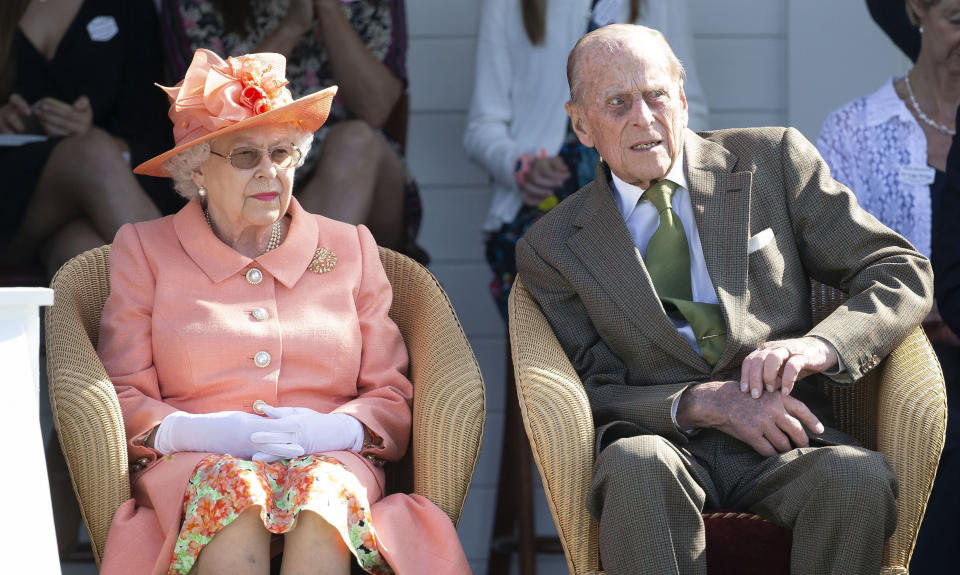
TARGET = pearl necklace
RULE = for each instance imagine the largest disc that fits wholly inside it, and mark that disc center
(926, 119)
(272, 243)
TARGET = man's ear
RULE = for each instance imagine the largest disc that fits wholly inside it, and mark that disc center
(578, 121)
(685, 114)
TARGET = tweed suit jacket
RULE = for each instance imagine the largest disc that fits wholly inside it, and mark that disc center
(582, 266)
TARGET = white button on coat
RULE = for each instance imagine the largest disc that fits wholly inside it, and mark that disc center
(259, 314)
(254, 276)
(261, 359)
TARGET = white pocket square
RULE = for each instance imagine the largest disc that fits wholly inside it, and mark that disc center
(760, 240)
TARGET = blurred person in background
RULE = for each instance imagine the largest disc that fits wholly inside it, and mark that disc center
(76, 83)
(891, 149)
(360, 45)
(517, 128)
(78, 75)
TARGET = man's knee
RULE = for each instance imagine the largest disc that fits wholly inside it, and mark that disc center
(861, 478)
(647, 462)
(848, 468)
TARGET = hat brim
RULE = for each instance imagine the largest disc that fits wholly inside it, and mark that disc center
(309, 112)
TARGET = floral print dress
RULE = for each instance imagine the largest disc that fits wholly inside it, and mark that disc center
(223, 486)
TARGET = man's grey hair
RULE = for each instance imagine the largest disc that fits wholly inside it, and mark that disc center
(611, 40)
(181, 167)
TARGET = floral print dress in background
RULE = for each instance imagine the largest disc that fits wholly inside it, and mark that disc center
(223, 486)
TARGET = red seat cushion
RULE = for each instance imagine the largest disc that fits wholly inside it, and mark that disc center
(745, 544)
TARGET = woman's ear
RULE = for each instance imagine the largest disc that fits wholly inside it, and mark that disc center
(198, 177)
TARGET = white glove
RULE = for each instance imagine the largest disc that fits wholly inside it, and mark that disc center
(313, 431)
(225, 432)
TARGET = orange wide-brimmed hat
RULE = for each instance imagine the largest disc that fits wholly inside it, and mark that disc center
(218, 97)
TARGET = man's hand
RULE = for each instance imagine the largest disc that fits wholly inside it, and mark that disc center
(12, 115)
(62, 119)
(773, 423)
(779, 364)
(546, 174)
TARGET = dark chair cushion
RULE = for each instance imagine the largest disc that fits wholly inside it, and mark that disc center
(745, 544)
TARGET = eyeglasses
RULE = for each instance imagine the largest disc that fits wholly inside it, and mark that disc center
(282, 156)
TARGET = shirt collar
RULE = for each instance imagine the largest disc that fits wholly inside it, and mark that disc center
(628, 195)
(885, 104)
(219, 261)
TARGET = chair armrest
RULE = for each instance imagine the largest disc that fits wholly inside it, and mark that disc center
(448, 399)
(911, 428)
(85, 407)
(559, 423)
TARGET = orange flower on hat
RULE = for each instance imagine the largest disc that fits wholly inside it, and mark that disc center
(215, 93)
(263, 85)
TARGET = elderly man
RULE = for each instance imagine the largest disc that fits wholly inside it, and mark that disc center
(678, 285)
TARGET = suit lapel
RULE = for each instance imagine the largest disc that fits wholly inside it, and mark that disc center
(605, 248)
(721, 207)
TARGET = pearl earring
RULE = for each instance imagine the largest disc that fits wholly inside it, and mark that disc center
(202, 192)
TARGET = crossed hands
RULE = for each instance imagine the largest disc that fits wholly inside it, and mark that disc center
(302, 14)
(286, 432)
(53, 117)
(772, 423)
(779, 364)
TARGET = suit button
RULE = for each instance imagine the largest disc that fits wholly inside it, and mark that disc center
(258, 406)
(259, 314)
(261, 359)
(254, 276)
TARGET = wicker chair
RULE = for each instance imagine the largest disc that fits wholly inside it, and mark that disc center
(898, 409)
(448, 402)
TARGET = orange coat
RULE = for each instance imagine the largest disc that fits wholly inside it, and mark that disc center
(177, 333)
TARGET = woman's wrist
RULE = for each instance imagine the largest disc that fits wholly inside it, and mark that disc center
(151, 437)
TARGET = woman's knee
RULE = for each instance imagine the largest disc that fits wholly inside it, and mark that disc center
(312, 539)
(93, 151)
(354, 138)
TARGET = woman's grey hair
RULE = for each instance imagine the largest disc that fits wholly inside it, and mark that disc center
(912, 14)
(181, 167)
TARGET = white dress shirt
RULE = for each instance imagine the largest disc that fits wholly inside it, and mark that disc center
(643, 220)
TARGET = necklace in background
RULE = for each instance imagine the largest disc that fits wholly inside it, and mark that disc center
(920, 113)
(274, 232)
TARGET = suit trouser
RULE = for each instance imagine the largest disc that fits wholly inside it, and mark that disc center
(648, 495)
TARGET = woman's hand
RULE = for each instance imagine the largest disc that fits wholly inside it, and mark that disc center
(368, 88)
(226, 432)
(315, 432)
(937, 330)
(299, 17)
(546, 174)
(13, 115)
(63, 119)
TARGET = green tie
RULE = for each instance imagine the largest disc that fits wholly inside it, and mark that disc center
(668, 263)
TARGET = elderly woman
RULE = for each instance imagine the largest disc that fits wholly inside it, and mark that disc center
(261, 380)
(890, 148)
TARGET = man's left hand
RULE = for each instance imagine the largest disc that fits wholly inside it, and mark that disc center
(779, 364)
